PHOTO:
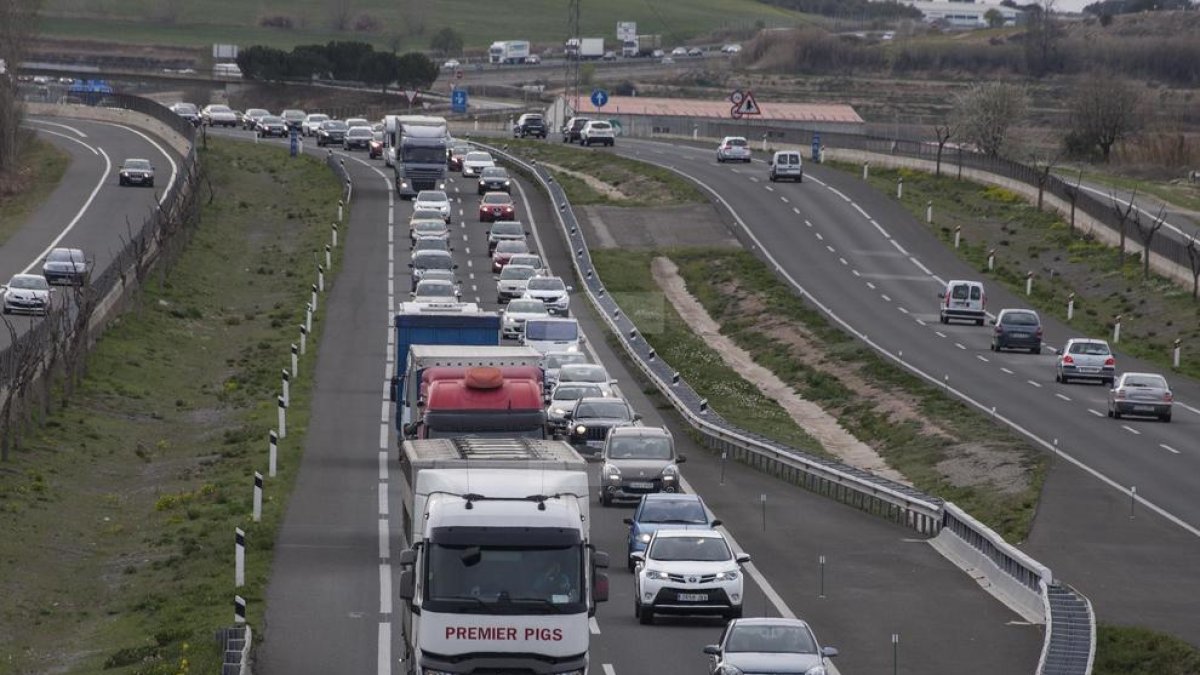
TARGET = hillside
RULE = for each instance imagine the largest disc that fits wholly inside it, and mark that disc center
(408, 24)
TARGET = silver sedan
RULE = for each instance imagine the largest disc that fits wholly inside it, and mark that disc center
(1141, 394)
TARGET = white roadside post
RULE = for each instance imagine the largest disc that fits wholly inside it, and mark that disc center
(308, 317)
(900, 187)
(328, 257)
(282, 417)
(991, 259)
(272, 452)
(295, 361)
(340, 205)
(929, 217)
(1070, 306)
(286, 386)
(866, 170)
(1175, 355)
(1029, 283)
(1117, 330)
(333, 235)
(239, 558)
(314, 300)
(239, 609)
(957, 231)
(321, 278)
(258, 494)
(303, 339)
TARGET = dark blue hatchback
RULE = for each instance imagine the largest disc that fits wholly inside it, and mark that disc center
(671, 510)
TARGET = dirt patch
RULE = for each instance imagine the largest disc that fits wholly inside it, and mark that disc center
(814, 420)
(657, 227)
(975, 465)
(596, 184)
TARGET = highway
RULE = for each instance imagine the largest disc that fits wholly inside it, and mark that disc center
(879, 272)
(88, 209)
(331, 605)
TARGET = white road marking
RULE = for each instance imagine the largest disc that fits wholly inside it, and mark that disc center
(898, 246)
(859, 209)
(768, 188)
(1063, 396)
(843, 261)
(920, 266)
(383, 464)
(753, 179)
(797, 212)
(1168, 448)
(384, 410)
(383, 663)
(1007, 371)
(1097, 413)
(77, 132)
(819, 237)
(831, 250)
(1131, 430)
(902, 309)
(784, 199)
(881, 230)
(385, 588)
(960, 346)
(870, 285)
(839, 193)
(885, 297)
(939, 333)
(1035, 383)
(608, 669)
(383, 500)
(78, 214)
(385, 548)
(922, 322)
(93, 150)
(806, 221)
(855, 273)
(593, 626)
(983, 358)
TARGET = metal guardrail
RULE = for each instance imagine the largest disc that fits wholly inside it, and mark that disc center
(1069, 632)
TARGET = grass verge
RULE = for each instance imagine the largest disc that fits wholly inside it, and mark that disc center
(1178, 193)
(119, 510)
(626, 182)
(942, 446)
(1155, 311)
(40, 168)
(1128, 650)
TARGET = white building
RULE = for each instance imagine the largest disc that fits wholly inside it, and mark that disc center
(963, 14)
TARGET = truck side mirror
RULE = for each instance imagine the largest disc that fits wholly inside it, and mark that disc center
(408, 585)
(600, 587)
(407, 557)
(829, 652)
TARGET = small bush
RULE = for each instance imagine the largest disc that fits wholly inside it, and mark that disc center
(277, 21)
(367, 23)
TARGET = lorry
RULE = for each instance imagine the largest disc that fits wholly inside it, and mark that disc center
(441, 324)
(499, 574)
(584, 48)
(415, 147)
(642, 45)
(508, 52)
(452, 391)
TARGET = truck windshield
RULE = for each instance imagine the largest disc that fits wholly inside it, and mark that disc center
(422, 154)
(510, 579)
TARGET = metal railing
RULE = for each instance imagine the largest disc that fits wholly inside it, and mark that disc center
(855, 487)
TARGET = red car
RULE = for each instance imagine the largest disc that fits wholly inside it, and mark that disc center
(454, 157)
(375, 147)
(504, 252)
(496, 206)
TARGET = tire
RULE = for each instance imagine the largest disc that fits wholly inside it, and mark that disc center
(771, 178)
(993, 346)
(611, 143)
(121, 181)
(978, 322)
(1035, 350)
(720, 161)
(646, 616)
(1110, 412)
(1116, 414)
(1057, 376)
(942, 318)
(1165, 418)
(151, 183)
(1108, 383)
(606, 499)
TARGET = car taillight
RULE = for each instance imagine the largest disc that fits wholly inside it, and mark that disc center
(1038, 332)
(998, 330)
(1110, 361)
(1068, 359)
(946, 300)
(1120, 393)
(1168, 397)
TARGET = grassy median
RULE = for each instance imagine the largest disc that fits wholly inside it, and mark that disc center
(39, 169)
(119, 511)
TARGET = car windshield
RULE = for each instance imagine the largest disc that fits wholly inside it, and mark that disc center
(481, 157)
(219, 108)
(426, 214)
(512, 246)
(1090, 348)
(1019, 319)
(525, 306)
(705, 549)
(614, 409)
(65, 255)
(547, 284)
(554, 361)
(497, 198)
(770, 639)
(256, 112)
(431, 244)
(1152, 381)
(272, 119)
(334, 125)
(509, 227)
(29, 282)
(460, 149)
(601, 125)
(582, 372)
(139, 164)
(431, 196)
(572, 392)
(361, 132)
(429, 226)
(638, 447)
(435, 289)
(433, 261)
(185, 107)
(552, 330)
(293, 114)
(519, 272)
(495, 172)
(673, 511)
(533, 119)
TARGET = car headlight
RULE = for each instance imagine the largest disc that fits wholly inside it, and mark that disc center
(558, 411)
(581, 430)
(727, 576)
(644, 537)
(612, 472)
(507, 182)
(656, 575)
(815, 670)
(670, 472)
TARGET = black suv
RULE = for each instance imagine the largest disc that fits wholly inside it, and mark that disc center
(571, 129)
(529, 124)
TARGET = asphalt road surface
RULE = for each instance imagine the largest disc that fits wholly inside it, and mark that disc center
(331, 606)
(88, 210)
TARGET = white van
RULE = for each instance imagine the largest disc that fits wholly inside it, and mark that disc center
(552, 334)
(787, 165)
(964, 300)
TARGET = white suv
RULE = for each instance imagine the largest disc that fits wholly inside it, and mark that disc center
(597, 131)
(688, 572)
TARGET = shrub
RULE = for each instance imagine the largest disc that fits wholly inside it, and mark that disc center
(277, 21)
(367, 23)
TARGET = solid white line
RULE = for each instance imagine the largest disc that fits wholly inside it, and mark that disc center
(78, 215)
(593, 626)
(981, 357)
(385, 588)
(859, 209)
(1164, 446)
(385, 548)
(1097, 413)
(898, 246)
(1006, 370)
(1131, 430)
(920, 266)
(1063, 397)
(819, 237)
(1195, 410)
(1035, 383)
(960, 345)
(383, 500)
(608, 669)
(69, 138)
(77, 132)
(157, 146)
(383, 467)
(840, 194)
(881, 230)
(383, 664)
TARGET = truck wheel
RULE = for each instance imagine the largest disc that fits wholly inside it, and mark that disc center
(605, 499)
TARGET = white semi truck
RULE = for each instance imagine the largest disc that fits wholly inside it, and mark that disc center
(500, 574)
(508, 52)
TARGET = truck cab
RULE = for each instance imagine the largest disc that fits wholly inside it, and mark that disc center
(415, 146)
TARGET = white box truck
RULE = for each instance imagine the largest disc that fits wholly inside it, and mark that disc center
(500, 574)
(509, 51)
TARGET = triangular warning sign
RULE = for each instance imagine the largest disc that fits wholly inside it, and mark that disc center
(748, 106)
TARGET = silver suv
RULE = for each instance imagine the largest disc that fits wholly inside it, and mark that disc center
(638, 461)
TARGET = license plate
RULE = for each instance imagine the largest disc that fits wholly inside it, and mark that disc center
(1089, 369)
(641, 486)
(692, 597)
(1020, 335)
(1144, 408)
(595, 444)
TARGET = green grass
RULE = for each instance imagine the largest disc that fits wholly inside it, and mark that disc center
(200, 24)
(119, 509)
(641, 184)
(627, 277)
(1155, 312)
(1181, 194)
(39, 168)
(1128, 650)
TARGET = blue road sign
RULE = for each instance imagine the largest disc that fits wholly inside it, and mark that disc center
(599, 98)
(458, 101)
(293, 142)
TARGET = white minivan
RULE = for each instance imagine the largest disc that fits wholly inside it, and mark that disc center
(552, 334)
(964, 300)
(787, 165)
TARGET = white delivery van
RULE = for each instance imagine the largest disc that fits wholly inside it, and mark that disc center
(787, 165)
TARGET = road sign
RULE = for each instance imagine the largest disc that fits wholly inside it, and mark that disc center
(626, 31)
(599, 97)
(410, 94)
(736, 97)
(458, 101)
(747, 106)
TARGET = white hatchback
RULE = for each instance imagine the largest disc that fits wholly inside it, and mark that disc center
(433, 200)
(688, 572)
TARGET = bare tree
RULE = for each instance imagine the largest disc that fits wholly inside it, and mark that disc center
(339, 14)
(17, 25)
(1073, 195)
(1104, 110)
(1193, 251)
(1045, 170)
(944, 132)
(1146, 233)
(1123, 214)
(985, 113)
(1041, 39)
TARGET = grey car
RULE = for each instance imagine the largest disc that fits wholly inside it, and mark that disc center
(1017, 329)
(1085, 359)
(638, 461)
(429, 260)
(1141, 394)
(763, 645)
(136, 172)
(556, 360)
(66, 266)
(505, 230)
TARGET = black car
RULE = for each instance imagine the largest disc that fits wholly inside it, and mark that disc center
(530, 124)
(495, 179)
(358, 137)
(571, 129)
(592, 418)
(66, 266)
(272, 125)
(136, 172)
(333, 131)
(188, 112)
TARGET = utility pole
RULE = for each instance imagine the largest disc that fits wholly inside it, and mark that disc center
(571, 83)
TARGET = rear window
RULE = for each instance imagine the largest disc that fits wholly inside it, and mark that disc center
(1090, 348)
(497, 198)
(736, 142)
(551, 330)
(966, 291)
(509, 227)
(1155, 381)
(1020, 319)
(604, 126)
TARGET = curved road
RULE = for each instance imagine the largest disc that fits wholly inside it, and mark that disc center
(331, 605)
(879, 270)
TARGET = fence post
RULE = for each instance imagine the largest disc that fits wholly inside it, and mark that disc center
(1175, 355)
(308, 313)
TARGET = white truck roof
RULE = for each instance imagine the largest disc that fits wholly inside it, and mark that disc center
(499, 453)
(439, 308)
(465, 355)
